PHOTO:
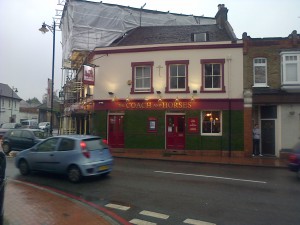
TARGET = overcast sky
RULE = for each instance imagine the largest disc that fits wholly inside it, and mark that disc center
(26, 53)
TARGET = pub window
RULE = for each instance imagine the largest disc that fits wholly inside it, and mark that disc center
(211, 123)
(177, 76)
(212, 75)
(142, 77)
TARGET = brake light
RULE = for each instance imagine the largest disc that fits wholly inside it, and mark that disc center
(105, 141)
(84, 151)
(293, 158)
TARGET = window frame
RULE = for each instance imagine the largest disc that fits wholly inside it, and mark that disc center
(134, 65)
(203, 114)
(256, 64)
(186, 89)
(284, 63)
(212, 61)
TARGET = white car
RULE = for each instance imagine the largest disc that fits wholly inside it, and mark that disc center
(44, 125)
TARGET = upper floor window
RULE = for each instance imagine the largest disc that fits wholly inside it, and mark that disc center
(212, 75)
(260, 72)
(177, 76)
(290, 68)
(142, 77)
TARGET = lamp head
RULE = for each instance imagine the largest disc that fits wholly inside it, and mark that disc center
(44, 28)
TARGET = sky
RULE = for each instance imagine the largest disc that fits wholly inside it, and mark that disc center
(26, 53)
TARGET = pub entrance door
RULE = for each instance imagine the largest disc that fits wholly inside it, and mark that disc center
(175, 131)
(116, 131)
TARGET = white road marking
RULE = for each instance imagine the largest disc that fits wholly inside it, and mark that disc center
(215, 177)
(197, 222)
(154, 214)
(115, 206)
(141, 222)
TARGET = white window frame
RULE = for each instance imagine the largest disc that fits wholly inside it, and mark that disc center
(213, 120)
(178, 77)
(260, 62)
(290, 58)
(142, 78)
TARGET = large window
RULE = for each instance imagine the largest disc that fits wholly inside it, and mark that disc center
(290, 67)
(177, 76)
(212, 75)
(211, 123)
(142, 77)
(260, 72)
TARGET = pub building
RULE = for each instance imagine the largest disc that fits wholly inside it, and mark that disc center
(170, 88)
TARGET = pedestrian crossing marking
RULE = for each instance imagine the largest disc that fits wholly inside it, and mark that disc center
(115, 206)
(141, 222)
(197, 222)
(154, 214)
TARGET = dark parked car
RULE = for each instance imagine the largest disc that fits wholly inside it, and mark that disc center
(20, 139)
(7, 126)
(294, 159)
(2, 184)
(74, 155)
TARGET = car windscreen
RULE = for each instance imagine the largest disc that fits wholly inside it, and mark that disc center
(94, 144)
(24, 123)
(39, 134)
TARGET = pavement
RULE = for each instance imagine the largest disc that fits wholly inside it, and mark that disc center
(29, 204)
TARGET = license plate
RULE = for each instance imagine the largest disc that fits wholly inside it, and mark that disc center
(103, 168)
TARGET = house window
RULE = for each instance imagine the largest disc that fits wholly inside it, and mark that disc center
(260, 72)
(142, 77)
(211, 123)
(213, 75)
(290, 68)
(177, 76)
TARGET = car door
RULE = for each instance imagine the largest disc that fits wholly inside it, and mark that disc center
(26, 139)
(14, 139)
(42, 155)
(65, 153)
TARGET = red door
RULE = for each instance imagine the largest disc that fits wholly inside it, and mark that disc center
(175, 131)
(115, 131)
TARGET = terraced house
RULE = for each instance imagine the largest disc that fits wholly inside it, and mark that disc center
(272, 78)
(173, 88)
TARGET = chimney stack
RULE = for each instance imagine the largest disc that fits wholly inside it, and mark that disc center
(221, 16)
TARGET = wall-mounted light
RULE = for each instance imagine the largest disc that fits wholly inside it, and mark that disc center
(193, 95)
(177, 99)
(159, 95)
(127, 99)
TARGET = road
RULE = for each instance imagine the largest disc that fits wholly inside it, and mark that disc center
(172, 193)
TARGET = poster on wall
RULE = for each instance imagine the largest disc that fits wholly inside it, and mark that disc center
(193, 126)
(88, 75)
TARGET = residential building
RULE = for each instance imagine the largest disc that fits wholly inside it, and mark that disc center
(272, 82)
(9, 104)
(176, 88)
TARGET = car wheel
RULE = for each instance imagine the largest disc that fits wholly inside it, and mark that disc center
(74, 174)
(24, 167)
(6, 149)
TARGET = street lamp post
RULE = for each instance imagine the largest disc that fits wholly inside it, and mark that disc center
(12, 102)
(45, 28)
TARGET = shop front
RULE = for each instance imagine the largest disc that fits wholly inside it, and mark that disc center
(210, 125)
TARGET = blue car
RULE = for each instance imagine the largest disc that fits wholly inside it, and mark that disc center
(76, 156)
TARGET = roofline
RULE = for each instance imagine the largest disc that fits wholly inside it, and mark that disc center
(151, 48)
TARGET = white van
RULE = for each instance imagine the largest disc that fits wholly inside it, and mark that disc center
(32, 124)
